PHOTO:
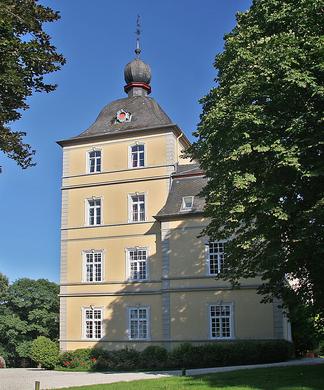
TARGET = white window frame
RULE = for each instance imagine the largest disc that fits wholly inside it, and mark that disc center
(148, 320)
(84, 265)
(207, 256)
(183, 203)
(128, 263)
(231, 320)
(130, 207)
(130, 155)
(88, 160)
(87, 210)
(84, 327)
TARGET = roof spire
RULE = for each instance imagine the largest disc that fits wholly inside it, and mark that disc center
(138, 34)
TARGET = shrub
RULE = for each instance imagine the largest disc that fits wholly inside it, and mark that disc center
(45, 352)
(321, 347)
(215, 354)
(103, 363)
(81, 358)
(154, 357)
(123, 359)
(184, 356)
(230, 353)
(2, 362)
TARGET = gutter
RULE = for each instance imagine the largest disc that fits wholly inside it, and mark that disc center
(118, 134)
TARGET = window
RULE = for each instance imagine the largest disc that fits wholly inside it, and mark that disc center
(94, 211)
(94, 161)
(137, 156)
(137, 208)
(138, 323)
(92, 323)
(137, 264)
(93, 266)
(215, 257)
(221, 321)
(187, 203)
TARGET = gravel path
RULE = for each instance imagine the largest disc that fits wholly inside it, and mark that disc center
(24, 378)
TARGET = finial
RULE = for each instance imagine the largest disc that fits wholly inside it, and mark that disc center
(138, 33)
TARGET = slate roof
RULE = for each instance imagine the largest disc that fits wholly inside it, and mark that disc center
(188, 180)
(146, 113)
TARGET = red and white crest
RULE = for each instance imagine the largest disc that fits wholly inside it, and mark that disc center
(123, 116)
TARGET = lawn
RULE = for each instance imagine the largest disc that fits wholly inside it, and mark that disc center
(283, 378)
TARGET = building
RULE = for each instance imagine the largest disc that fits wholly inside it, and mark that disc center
(134, 270)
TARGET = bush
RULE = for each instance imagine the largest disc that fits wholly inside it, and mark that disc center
(184, 356)
(45, 352)
(154, 357)
(230, 353)
(81, 358)
(2, 362)
(216, 354)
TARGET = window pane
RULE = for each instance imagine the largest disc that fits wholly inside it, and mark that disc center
(93, 323)
(220, 316)
(138, 323)
(137, 264)
(142, 212)
(215, 257)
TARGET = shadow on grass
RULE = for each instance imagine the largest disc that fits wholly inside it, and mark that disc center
(281, 378)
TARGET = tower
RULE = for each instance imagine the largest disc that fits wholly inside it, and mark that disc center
(134, 269)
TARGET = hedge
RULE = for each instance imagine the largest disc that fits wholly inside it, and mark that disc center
(215, 354)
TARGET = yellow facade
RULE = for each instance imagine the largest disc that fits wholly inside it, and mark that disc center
(132, 279)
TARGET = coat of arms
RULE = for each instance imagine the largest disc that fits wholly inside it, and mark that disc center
(123, 116)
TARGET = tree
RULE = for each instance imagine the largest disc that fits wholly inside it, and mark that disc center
(37, 303)
(30, 309)
(260, 144)
(4, 284)
(26, 55)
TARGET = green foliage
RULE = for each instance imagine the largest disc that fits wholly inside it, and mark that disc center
(183, 356)
(230, 353)
(154, 356)
(304, 333)
(28, 309)
(24, 349)
(82, 358)
(26, 55)
(123, 359)
(45, 352)
(37, 303)
(4, 284)
(260, 142)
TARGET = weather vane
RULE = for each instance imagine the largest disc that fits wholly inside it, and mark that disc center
(138, 34)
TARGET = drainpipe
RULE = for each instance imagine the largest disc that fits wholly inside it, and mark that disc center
(178, 147)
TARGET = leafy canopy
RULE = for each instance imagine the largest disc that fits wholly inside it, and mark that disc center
(28, 309)
(26, 55)
(260, 142)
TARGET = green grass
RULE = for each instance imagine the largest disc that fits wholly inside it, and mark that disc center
(281, 378)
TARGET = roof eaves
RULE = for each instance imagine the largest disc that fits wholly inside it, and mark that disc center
(177, 215)
(103, 136)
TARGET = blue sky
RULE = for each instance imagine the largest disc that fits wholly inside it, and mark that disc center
(180, 40)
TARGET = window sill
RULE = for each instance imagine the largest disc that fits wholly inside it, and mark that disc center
(222, 338)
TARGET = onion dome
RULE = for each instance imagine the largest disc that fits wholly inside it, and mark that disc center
(137, 76)
(137, 71)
